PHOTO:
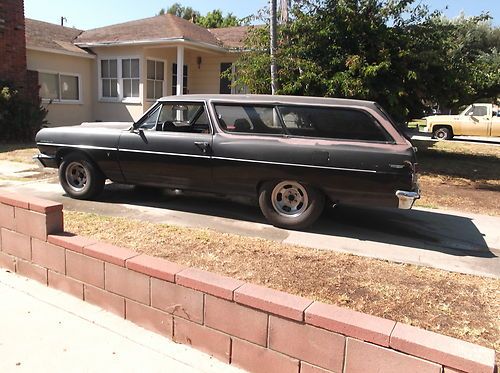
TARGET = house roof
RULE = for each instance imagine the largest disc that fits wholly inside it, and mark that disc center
(48, 36)
(43, 35)
(232, 37)
(154, 29)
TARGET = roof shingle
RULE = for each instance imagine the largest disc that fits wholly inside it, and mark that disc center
(156, 28)
(50, 36)
(232, 37)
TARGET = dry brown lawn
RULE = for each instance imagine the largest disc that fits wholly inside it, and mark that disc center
(462, 306)
(18, 152)
(458, 176)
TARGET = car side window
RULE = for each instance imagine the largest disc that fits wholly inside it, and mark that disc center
(332, 123)
(149, 122)
(480, 111)
(183, 117)
(254, 119)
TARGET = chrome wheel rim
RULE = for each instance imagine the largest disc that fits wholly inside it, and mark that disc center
(76, 176)
(441, 135)
(289, 198)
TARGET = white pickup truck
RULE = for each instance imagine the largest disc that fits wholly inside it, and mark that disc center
(477, 120)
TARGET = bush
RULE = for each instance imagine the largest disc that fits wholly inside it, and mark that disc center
(20, 118)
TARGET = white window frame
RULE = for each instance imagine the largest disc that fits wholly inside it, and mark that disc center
(119, 88)
(165, 74)
(61, 100)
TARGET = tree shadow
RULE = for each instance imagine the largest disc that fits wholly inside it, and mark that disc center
(447, 233)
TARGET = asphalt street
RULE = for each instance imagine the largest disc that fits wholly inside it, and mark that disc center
(444, 239)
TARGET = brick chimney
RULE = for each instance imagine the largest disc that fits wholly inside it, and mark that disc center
(13, 43)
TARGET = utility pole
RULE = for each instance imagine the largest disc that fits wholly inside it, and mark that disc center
(273, 28)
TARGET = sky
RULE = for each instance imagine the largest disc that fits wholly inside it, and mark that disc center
(90, 14)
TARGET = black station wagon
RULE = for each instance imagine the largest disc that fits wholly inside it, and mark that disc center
(292, 153)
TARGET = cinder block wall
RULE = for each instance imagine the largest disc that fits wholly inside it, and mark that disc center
(249, 326)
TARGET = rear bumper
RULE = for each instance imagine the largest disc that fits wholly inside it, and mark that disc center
(407, 199)
(44, 160)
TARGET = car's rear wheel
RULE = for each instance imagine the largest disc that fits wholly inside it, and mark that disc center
(443, 133)
(290, 204)
(79, 177)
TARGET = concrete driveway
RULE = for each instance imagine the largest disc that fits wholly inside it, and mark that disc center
(493, 141)
(453, 241)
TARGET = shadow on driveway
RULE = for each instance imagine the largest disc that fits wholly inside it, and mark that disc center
(446, 233)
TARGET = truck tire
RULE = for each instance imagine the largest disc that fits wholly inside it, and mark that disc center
(443, 133)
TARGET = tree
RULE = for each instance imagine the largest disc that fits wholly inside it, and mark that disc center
(213, 19)
(390, 51)
(178, 10)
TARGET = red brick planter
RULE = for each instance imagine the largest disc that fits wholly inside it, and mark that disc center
(250, 326)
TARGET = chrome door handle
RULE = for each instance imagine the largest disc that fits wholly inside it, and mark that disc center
(203, 145)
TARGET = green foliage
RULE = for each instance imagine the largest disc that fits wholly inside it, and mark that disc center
(213, 19)
(178, 10)
(20, 119)
(390, 51)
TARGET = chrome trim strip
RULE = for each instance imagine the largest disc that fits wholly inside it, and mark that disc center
(398, 166)
(164, 153)
(295, 165)
(218, 158)
(76, 146)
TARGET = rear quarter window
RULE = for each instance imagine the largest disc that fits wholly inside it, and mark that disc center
(254, 119)
(332, 123)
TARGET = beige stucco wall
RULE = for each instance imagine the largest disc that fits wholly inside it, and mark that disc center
(204, 78)
(61, 114)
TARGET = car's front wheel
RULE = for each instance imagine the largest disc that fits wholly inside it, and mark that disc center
(290, 204)
(79, 177)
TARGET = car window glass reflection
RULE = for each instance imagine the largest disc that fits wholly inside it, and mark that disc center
(150, 121)
(331, 123)
(183, 117)
(248, 119)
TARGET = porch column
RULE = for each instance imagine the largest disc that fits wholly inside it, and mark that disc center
(180, 70)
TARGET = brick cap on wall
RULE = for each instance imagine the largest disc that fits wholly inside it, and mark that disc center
(452, 352)
(85, 252)
(29, 203)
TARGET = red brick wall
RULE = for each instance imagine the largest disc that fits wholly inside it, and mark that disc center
(246, 325)
(12, 43)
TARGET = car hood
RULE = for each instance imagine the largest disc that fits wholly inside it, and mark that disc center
(108, 125)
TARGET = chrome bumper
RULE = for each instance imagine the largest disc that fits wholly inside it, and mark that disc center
(44, 160)
(406, 199)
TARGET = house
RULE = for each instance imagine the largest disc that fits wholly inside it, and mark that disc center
(115, 73)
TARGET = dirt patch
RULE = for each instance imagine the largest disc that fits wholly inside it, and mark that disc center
(461, 306)
(18, 152)
(458, 176)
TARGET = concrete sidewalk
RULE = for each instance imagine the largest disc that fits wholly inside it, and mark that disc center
(44, 330)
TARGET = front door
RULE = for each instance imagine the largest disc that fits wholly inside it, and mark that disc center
(476, 121)
(170, 147)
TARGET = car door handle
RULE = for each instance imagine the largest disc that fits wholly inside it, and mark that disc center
(203, 145)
